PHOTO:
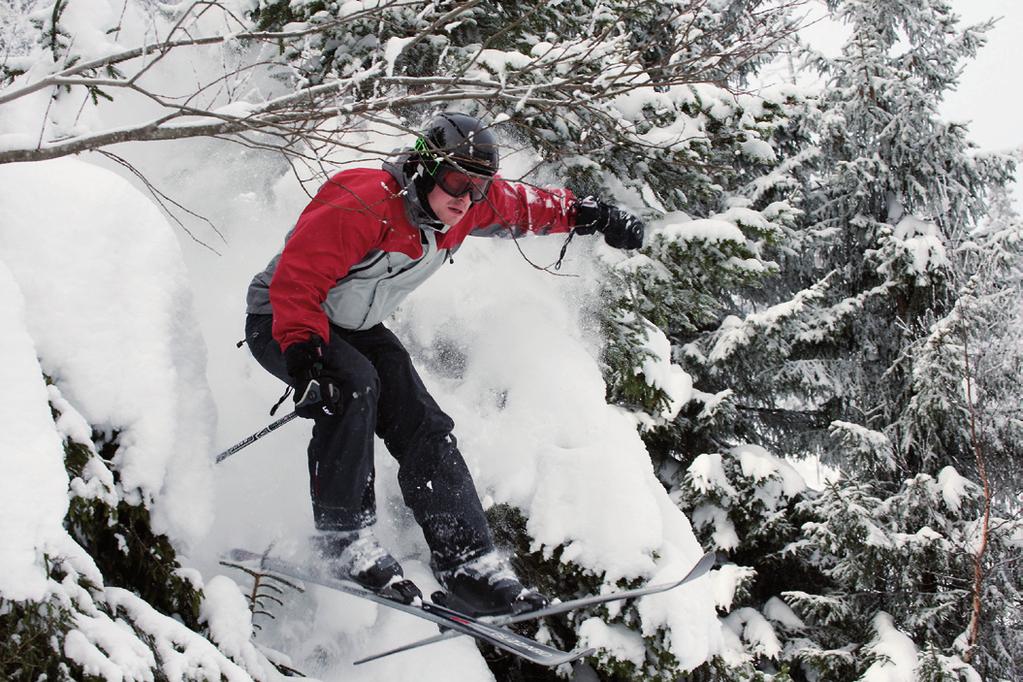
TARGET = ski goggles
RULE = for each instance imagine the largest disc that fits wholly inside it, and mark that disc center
(458, 183)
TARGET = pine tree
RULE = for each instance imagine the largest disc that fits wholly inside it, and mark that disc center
(860, 352)
(909, 198)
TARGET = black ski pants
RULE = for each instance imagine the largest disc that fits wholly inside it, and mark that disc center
(382, 393)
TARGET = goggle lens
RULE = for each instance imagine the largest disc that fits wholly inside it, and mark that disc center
(457, 184)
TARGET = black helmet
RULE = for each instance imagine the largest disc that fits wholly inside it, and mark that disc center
(458, 140)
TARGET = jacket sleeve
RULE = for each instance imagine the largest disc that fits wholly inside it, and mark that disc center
(326, 242)
(514, 208)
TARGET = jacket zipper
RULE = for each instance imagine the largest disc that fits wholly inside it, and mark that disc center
(366, 266)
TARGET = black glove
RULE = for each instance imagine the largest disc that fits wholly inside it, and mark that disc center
(621, 230)
(316, 392)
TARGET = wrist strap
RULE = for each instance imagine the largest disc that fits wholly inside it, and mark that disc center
(287, 392)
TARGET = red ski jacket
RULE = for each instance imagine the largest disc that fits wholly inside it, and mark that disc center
(365, 242)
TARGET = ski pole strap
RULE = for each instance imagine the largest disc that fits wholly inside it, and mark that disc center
(564, 250)
(287, 392)
(254, 437)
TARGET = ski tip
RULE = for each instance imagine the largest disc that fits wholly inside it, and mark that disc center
(710, 557)
(701, 567)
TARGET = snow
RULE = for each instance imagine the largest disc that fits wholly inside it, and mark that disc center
(876, 537)
(874, 440)
(499, 61)
(910, 226)
(226, 613)
(89, 23)
(741, 215)
(530, 412)
(780, 480)
(725, 581)
(707, 473)
(236, 109)
(706, 229)
(954, 487)
(814, 472)
(98, 299)
(896, 652)
(779, 612)
(758, 150)
(109, 312)
(735, 333)
(1014, 534)
(659, 371)
(724, 535)
(33, 489)
(96, 482)
(922, 243)
(755, 630)
(108, 650)
(617, 640)
(392, 50)
(184, 654)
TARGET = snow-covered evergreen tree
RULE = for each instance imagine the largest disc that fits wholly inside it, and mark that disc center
(117, 603)
(860, 353)
(908, 197)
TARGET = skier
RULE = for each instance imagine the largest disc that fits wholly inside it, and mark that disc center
(315, 319)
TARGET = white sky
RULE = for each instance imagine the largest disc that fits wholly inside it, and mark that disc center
(991, 92)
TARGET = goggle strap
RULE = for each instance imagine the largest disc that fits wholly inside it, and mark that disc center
(425, 154)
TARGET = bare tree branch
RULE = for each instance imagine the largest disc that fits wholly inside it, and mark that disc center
(573, 79)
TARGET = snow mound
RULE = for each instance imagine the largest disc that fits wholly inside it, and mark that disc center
(109, 313)
(895, 651)
(528, 401)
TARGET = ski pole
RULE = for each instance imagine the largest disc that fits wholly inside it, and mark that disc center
(254, 437)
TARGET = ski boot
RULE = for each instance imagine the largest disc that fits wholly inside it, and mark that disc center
(487, 586)
(357, 556)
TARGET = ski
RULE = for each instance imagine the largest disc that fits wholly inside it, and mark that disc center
(453, 621)
(699, 569)
(702, 567)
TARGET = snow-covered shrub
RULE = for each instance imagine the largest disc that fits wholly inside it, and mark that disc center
(117, 605)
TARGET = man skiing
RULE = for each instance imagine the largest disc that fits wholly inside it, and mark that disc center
(315, 319)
